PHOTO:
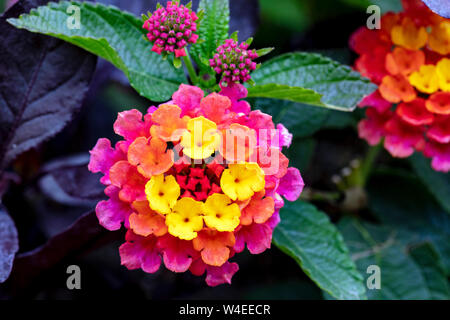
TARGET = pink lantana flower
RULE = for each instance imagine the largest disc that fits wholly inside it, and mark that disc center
(171, 29)
(195, 181)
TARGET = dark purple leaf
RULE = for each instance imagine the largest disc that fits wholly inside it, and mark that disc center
(441, 7)
(84, 234)
(68, 181)
(42, 84)
(9, 244)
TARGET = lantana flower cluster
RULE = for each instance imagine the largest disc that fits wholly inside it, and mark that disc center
(171, 29)
(409, 59)
(194, 181)
(234, 61)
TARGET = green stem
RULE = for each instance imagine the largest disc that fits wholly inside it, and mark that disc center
(367, 165)
(190, 68)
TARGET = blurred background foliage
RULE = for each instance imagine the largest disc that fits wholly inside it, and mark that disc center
(326, 149)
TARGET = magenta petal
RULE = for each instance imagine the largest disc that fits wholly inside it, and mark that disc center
(285, 136)
(177, 253)
(188, 99)
(291, 184)
(103, 156)
(236, 92)
(140, 252)
(376, 101)
(219, 275)
(257, 236)
(440, 155)
(129, 124)
(151, 261)
(113, 212)
(130, 255)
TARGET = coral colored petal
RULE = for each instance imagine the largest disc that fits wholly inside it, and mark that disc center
(129, 180)
(129, 124)
(144, 221)
(215, 106)
(214, 246)
(396, 89)
(150, 156)
(439, 103)
(258, 210)
(188, 99)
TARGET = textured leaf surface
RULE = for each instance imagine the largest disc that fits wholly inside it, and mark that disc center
(438, 183)
(68, 181)
(9, 244)
(213, 29)
(82, 235)
(338, 86)
(40, 90)
(405, 272)
(308, 236)
(114, 35)
(403, 202)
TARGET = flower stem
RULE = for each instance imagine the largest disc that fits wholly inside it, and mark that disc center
(190, 67)
(367, 165)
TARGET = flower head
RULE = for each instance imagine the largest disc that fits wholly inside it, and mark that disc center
(234, 61)
(408, 59)
(220, 194)
(171, 29)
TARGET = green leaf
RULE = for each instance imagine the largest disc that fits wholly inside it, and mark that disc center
(113, 35)
(303, 120)
(307, 235)
(264, 51)
(438, 183)
(401, 201)
(213, 29)
(406, 272)
(328, 83)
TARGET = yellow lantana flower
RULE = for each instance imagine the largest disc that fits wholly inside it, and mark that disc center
(185, 219)
(220, 213)
(443, 72)
(408, 35)
(426, 79)
(201, 139)
(241, 180)
(162, 193)
(439, 38)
